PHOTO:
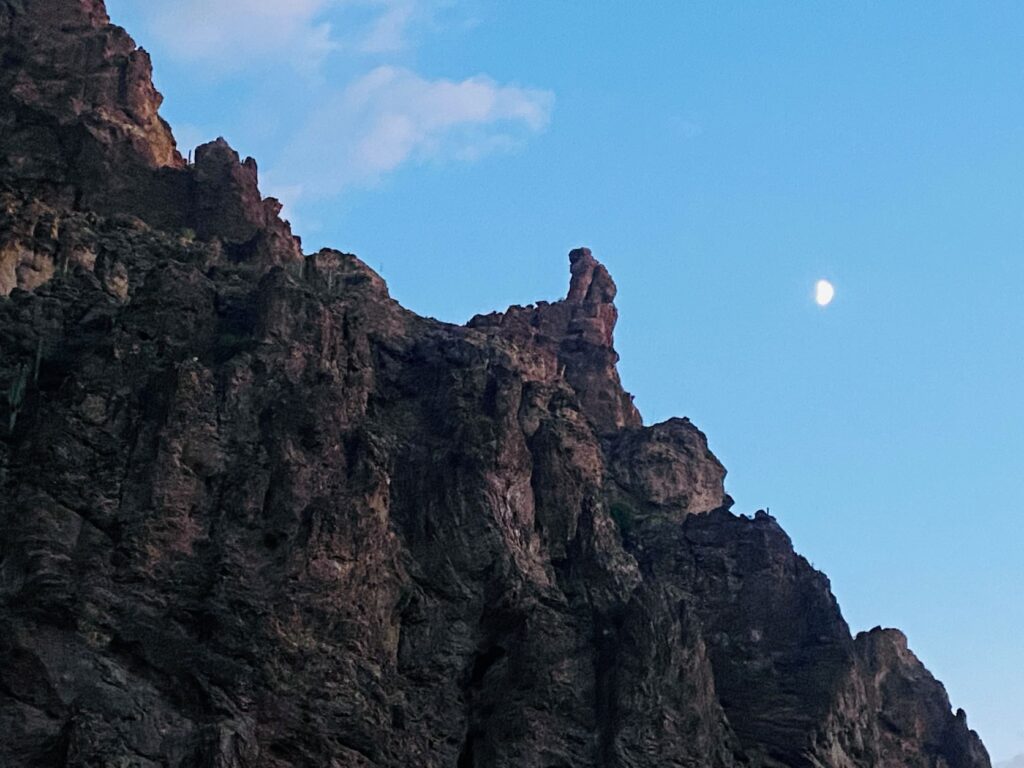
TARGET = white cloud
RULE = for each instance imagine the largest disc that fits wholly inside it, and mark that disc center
(388, 32)
(232, 34)
(392, 116)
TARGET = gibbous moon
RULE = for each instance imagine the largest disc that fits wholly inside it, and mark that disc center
(824, 293)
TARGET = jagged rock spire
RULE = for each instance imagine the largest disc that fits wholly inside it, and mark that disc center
(579, 332)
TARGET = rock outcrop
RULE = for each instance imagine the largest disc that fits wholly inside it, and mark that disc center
(80, 131)
(254, 513)
(575, 336)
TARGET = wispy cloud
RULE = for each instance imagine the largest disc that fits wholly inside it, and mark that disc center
(388, 33)
(392, 116)
(233, 34)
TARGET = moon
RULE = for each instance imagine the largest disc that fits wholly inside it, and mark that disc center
(824, 292)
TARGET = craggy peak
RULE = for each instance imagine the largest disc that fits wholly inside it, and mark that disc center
(255, 513)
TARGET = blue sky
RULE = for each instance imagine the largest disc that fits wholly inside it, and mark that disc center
(719, 158)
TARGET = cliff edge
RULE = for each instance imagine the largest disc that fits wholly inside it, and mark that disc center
(255, 513)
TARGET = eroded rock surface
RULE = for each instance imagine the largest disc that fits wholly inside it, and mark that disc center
(80, 130)
(254, 513)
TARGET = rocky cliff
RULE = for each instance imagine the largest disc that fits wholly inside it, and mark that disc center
(254, 513)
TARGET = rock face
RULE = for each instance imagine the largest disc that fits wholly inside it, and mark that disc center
(254, 513)
(80, 131)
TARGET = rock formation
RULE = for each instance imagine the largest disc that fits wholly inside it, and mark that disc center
(254, 513)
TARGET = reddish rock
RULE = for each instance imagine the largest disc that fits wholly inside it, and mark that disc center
(227, 205)
(80, 131)
(574, 337)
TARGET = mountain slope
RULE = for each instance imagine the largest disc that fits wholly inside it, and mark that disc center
(255, 513)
